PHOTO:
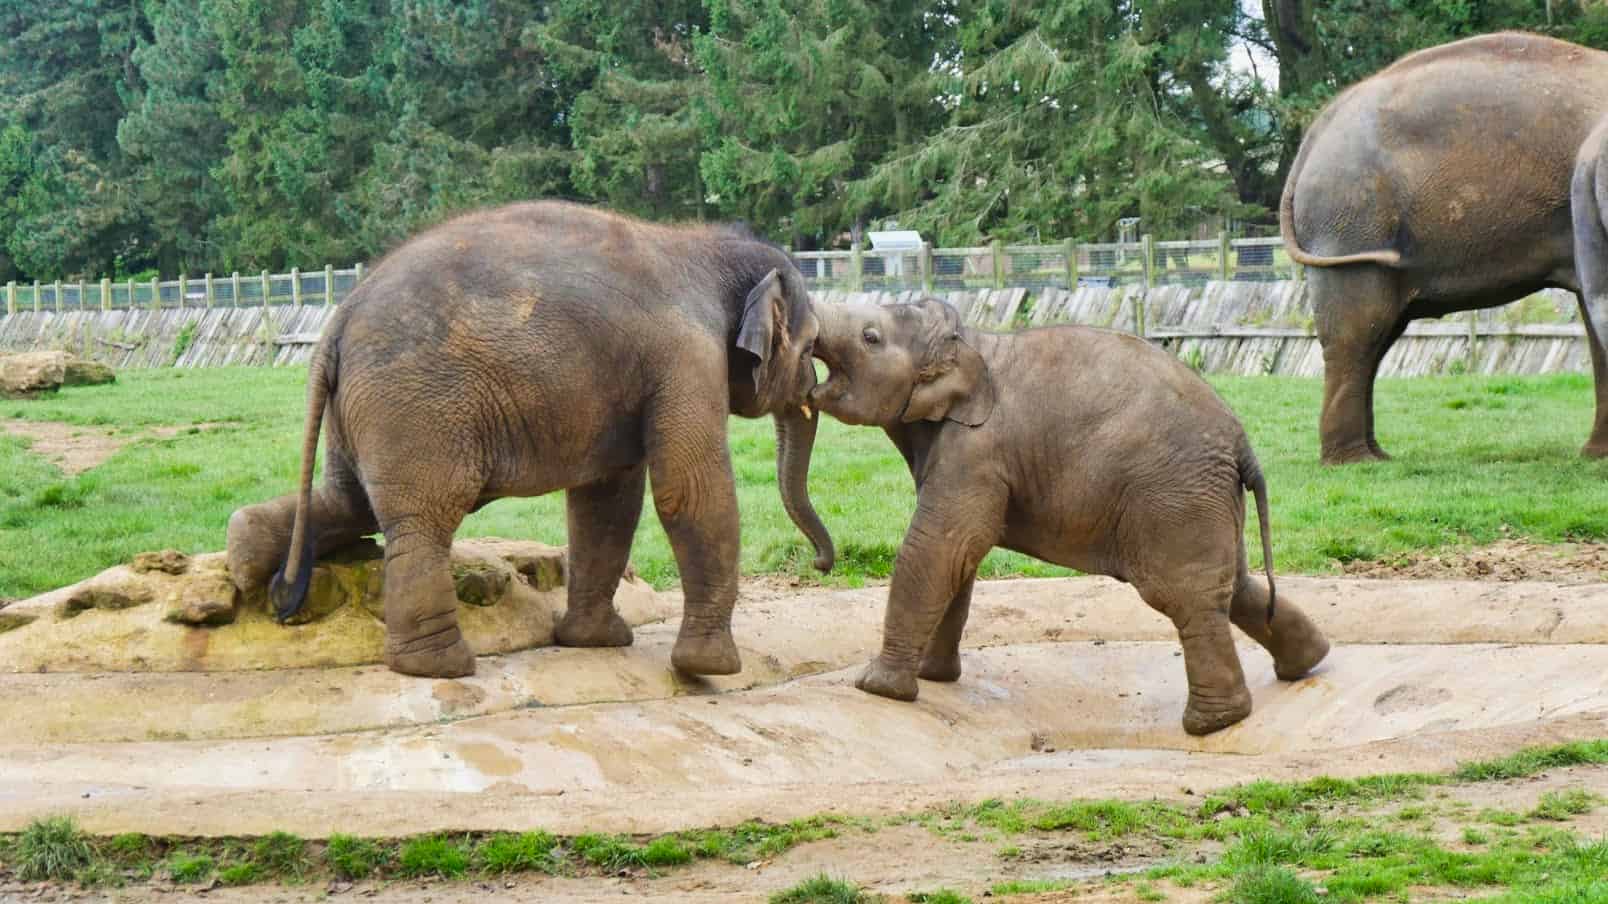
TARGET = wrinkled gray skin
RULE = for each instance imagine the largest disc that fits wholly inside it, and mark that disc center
(1083, 447)
(1589, 202)
(1440, 184)
(532, 348)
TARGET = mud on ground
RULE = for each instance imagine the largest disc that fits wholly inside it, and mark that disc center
(74, 449)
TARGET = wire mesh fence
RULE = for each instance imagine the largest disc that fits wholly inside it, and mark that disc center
(997, 266)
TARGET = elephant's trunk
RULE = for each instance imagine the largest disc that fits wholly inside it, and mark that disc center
(795, 440)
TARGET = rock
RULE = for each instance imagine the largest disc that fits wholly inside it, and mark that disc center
(116, 588)
(541, 566)
(84, 372)
(207, 598)
(30, 372)
(26, 373)
(168, 561)
(479, 584)
(12, 620)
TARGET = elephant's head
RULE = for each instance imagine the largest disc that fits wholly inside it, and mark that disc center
(900, 363)
(772, 372)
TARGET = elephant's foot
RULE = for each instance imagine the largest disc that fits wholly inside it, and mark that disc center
(1596, 448)
(895, 684)
(255, 545)
(1206, 714)
(940, 667)
(1351, 453)
(706, 654)
(449, 658)
(1297, 662)
(578, 630)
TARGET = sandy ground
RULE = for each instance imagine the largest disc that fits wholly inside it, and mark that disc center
(1072, 689)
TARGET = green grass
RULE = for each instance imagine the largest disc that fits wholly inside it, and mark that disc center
(821, 889)
(434, 855)
(1477, 458)
(1533, 760)
(508, 853)
(51, 849)
(1560, 805)
(354, 858)
(189, 868)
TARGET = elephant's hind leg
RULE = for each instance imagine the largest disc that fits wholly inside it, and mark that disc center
(1360, 314)
(1294, 641)
(421, 607)
(602, 522)
(1218, 696)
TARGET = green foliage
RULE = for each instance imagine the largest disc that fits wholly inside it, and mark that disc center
(187, 868)
(1532, 760)
(52, 848)
(821, 889)
(1560, 805)
(354, 858)
(941, 896)
(185, 338)
(281, 854)
(507, 853)
(1271, 885)
(434, 855)
(240, 873)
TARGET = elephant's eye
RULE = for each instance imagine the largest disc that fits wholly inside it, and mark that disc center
(871, 336)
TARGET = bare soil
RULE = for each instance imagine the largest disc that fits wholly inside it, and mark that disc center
(74, 449)
(1504, 560)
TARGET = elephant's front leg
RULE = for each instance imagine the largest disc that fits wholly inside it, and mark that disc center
(941, 662)
(602, 522)
(950, 534)
(1594, 311)
(696, 498)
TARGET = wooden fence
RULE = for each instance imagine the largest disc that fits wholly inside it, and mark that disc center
(1236, 327)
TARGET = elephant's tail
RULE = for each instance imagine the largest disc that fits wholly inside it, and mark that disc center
(1388, 257)
(1251, 477)
(288, 589)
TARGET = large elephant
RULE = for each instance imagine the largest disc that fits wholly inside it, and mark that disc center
(1440, 184)
(536, 347)
(1083, 447)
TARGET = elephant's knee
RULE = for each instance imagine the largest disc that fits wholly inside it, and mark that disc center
(258, 537)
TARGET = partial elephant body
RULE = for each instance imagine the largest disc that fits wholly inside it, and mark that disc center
(1589, 201)
(1091, 449)
(1439, 184)
(538, 347)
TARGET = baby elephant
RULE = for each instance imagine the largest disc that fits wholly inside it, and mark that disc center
(1083, 447)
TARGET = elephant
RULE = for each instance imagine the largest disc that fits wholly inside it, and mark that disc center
(533, 347)
(1083, 447)
(1440, 184)
(1589, 204)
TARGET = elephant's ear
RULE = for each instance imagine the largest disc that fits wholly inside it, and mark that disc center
(767, 314)
(956, 386)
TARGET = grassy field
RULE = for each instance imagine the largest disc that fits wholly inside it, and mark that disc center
(1477, 459)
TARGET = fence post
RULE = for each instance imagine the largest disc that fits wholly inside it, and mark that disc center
(36, 296)
(999, 263)
(11, 296)
(106, 293)
(131, 296)
(1473, 340)
(1223, 250)
(211, 293)
(156, 294)
(856, 269)
(924, 266)
(58, 296)
(295, 286)
(1147, 245)
(329, 284)
(184, 291)
(267, 287)
(234, 289)
(359, 277)
(81, 288)
(1071, 253)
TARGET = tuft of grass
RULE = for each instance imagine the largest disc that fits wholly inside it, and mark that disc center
(240, 873)
(52, 848)
(281, 854)
(1271, 885)
(508, 853)
(186, 868)
(1533, 760)
(1560, 805)
(1146, 891)
(665, 851)
(751, 841)
(940, 896)
(353, 858)
(821, 889)
(610, 852)
(1472, 835)
(1029, 886)
(433, 855)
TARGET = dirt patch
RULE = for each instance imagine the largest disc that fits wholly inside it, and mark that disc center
(74, 449)
(1505, 560)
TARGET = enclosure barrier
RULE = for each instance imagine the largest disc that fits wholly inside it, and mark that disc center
(1065, 265)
